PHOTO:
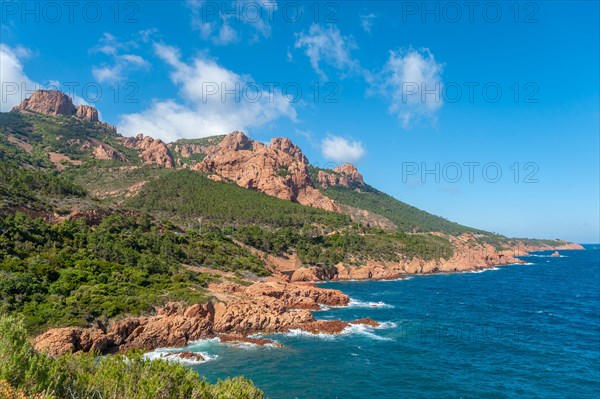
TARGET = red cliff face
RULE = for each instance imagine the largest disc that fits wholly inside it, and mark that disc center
(346, 175)
(87, 113)
(261, 307)
(278, 169)
(48, 102)
(152, 151)
(56, 103)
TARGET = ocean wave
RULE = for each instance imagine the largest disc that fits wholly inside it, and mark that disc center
(172, 356)
(386, 325)
(364, 330)
(296, 332)
(355, 303)
(251, 345)
(483, 270)
(352, 329)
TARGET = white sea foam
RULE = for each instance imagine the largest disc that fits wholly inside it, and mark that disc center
(172, 356)
(386, 325)
(355, 303)
(481, 270)
(352, 329)
(364, 330)
(296, 332)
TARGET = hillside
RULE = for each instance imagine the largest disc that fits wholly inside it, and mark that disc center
(96, 228)
(87, 148)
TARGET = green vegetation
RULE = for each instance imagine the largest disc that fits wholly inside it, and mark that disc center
(20, 186)
(351, 246)
(407, 218)
(205, 141)
(113, 184)
(84, 376)
(61, 134)
(72, 274)
(186, 195)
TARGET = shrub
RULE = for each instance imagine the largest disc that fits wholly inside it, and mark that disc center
(26, 373)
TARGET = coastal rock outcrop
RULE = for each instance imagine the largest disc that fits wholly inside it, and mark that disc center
(263, 307)
(298, 296)
(279, 169)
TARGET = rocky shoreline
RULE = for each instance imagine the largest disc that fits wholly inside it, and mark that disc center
(263, 307)
(279, 304)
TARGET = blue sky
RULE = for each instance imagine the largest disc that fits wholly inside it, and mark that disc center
(402, 87)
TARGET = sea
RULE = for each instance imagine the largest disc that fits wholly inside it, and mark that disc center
(518, 331)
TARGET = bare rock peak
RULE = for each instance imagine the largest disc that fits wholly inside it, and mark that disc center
(56, 103)
(345, 175)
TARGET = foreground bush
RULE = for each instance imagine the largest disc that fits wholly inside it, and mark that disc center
(25, 373)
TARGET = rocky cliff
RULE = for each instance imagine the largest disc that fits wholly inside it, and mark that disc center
(151, 151)
(345, 175)
(262, 307)
(55, 103)
(278, 169)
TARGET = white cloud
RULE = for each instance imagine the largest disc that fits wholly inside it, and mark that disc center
(327, 46)
(366, 22)
(215, 20)
(411, 80)
(121, 61)
(341, 150)
(15, 84)
(208, 108)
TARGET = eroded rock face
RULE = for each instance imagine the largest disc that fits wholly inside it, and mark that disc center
(261, 307)
(345, 175)
(298, 296)
(279, 169)
(48, 102)
(153, 151)
(104, 151)
(55, 103)
(87, 113)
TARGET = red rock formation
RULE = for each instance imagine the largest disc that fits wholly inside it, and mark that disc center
(262, 307)
(103, 151)
(153, 151)
(279, 170)
(48, 102)
(298, 296)
(346, 175)
(87, 113)
(55, 103)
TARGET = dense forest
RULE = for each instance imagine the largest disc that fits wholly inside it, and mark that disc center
(70, 273)
(406, 217)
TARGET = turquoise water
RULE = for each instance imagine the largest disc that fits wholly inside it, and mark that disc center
(516, 332)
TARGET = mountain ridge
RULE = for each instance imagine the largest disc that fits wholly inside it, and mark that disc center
(279, 169)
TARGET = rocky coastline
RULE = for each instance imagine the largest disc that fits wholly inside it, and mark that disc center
(279, 304)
